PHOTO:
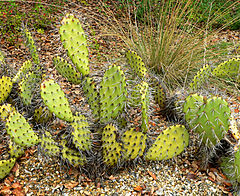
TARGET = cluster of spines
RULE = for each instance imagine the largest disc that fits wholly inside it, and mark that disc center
(5, 88)
(48, 145)
(75, 42)
(159, 93)
(27, 65)
(170, 143)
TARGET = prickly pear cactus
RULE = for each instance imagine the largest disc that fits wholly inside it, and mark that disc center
(229, 68)
(32, 47)
(171, 142)
(134, 144)
(15, 150)
(75, 42)
(1, 58)
(136, 64)
(210, 120)
(27, 65)
(5, 88)
(201, 76)
(48, 145)
(111, 148)
(67, 70)
(112, 93)
(20, 131)
(81, 133)
(6, 166)
(159, 93)
(54, 98)
(92, 94)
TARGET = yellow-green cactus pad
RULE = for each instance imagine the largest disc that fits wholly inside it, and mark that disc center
(171, 142)
(159, 93)
(81, 133)
(136, 64)
(92, 94)
(27, 87)
(5, 111)
(20, 131)
(1, 57)
(67, 70)
(27, 65)
(134, 144)
(229, 68)
(42, 114)
(32, 47)
(6, 166)
(201, 76)
(75, 42)
(48, 145)
(111, 148)
(55, 99)
(5, 88)
(112, 94)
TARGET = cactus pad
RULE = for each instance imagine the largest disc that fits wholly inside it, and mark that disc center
(159, 93)
(200, 77)
(54, 98)
(6, 166)
(112, 93)
(20, 131)
(171, 142)
(75, 42)
(5, 88)
(27, 65)
(230, 68)
(92, 94)
(81, 133)
(67, 70)
(136, 64)
(15, 150)
(42, 115)
(134, 144)
(5, 111)
(111, 148)
(48, 145)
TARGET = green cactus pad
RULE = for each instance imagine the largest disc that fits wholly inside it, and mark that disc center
(15, 150)
(111, 148)
(212, 121)
(191, 106)
(42, 115)
(81, 133)
(134, 144)
(75, 42)
(230, 68)
(201, 76)
(92, 94)
(171, 142)
(136, 64)
(1, 57)
(159, 93)
(5, 88)
(75, 158)
(27, 87)
(20, 131)
(6, 166)
(67, 70)
(27, 65)
(5, 111)
(48, 145)
(112, 93)
(32, 47)
(55, 99)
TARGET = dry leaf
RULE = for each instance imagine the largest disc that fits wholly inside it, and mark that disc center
(138, 188)
(152, 175)
(71, 185)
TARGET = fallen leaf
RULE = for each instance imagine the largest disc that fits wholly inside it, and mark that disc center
(138, 188)
(71, 185)
(236, 110)
(18, 192)
(152, 175)
(16, 185)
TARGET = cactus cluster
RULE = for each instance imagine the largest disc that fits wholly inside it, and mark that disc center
(86, 137)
